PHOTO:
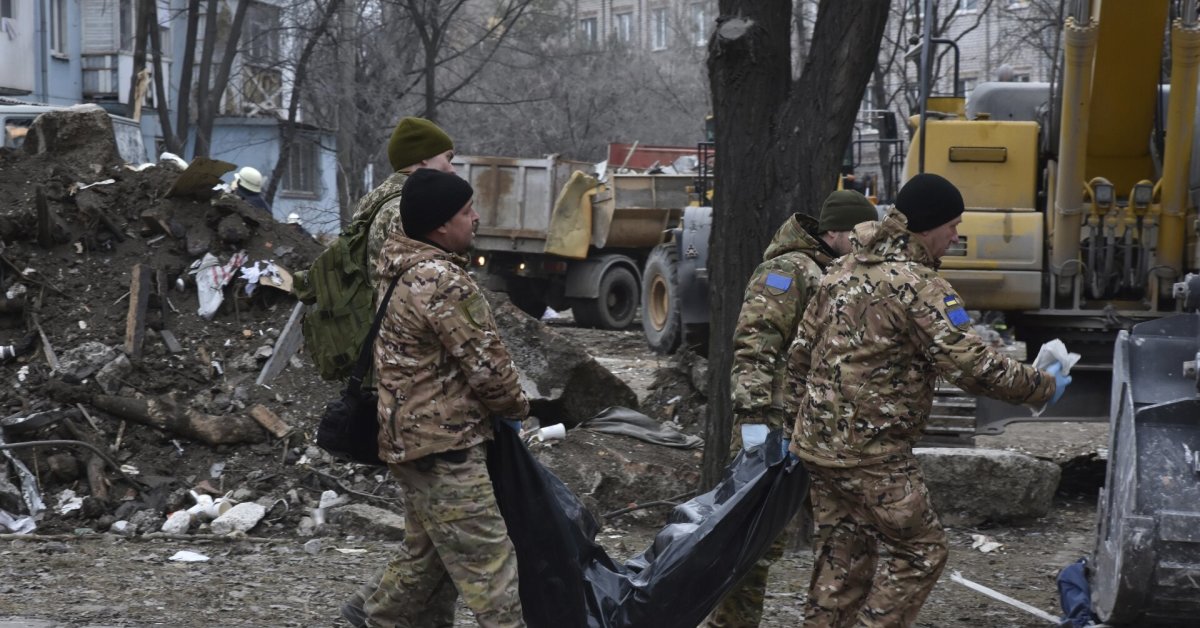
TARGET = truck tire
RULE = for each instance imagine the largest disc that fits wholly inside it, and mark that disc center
(660, 300)
(615, 304)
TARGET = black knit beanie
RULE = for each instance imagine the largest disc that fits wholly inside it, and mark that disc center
(929, 201)
(429, 199)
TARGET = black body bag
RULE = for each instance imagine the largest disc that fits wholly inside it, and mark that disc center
(349, 428)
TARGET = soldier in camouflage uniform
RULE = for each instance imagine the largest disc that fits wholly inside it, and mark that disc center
(882, 327)
(415, 143)
(444, 376)
(775, 299)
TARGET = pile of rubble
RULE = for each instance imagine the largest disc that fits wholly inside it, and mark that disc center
(155, 386)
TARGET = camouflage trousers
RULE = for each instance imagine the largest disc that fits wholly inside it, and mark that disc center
(857, 510)
(455, 543)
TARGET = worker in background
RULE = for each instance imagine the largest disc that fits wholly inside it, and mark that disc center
(415, 143)
(293, 219)
(878, 332)
(775, 300)
(444, 377)
(247, 184)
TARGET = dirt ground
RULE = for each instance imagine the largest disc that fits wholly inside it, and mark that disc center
(67, 286)
(99, 580)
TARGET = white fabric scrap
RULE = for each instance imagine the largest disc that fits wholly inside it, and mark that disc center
(211, 278)
(16, 525)
(68, 501)
(184, 556)
(253, 273)
(1051, 352)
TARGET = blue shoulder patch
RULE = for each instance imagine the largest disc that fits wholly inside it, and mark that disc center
(778, 282)
(955, 312)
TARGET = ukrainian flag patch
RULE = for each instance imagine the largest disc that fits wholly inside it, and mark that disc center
(778, 282)
(955, 312)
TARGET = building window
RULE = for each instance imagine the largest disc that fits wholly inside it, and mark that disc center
(658, 29)
(699, 24)
(6, 8)
(58, 26)
(623, 27)
(587, 30)
(965, 6)
(300, 177)
(261, 34)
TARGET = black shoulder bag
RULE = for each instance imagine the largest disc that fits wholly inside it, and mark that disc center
(349, 428)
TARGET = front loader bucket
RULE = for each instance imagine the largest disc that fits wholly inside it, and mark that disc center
(1146, 568)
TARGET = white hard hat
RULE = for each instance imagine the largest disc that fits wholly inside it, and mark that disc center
(249, 179)
(293, 218)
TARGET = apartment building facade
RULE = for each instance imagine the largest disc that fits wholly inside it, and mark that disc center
(654, 25)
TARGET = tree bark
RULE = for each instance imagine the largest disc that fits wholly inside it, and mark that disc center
(779, 144)
(186, 70)
(212, 94)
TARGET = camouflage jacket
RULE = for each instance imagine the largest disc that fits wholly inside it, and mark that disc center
(442, 370)
(775, 300)
(877, 334)
(386, 222)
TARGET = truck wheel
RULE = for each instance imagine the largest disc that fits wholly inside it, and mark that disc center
(615, 304)
(660, 299)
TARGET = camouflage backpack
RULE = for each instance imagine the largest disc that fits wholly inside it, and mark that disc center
(340, 298)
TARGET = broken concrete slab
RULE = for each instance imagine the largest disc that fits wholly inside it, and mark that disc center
(79, 363)
(969, 486)
(572, 385)
(370, 521)
(240, 518)
(110, 377)
(81, 135)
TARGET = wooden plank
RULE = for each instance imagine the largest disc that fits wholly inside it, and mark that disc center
(139, 298)
(289, 342)
(270, 421)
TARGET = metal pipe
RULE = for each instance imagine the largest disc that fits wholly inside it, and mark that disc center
(1080, 52)
(1177, 155)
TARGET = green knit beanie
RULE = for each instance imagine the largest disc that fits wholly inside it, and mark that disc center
(843, 210)
(416, 139)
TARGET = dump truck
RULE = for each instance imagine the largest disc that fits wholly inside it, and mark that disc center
(553, 234)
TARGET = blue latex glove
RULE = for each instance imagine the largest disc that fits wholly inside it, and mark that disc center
(513, 424)
(1060, 381)
(791, 457)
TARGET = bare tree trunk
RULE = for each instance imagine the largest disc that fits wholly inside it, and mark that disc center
(139, 51)
(212, 94)
(203, 86)
(349, 173)
(288, 128)
(779, 144)
(186, 70)
(161, 80)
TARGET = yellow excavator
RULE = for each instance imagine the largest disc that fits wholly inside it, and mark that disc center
(1080, 219)
(1081, 225)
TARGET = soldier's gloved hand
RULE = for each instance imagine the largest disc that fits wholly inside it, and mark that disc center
(753, 434)
(1060, 381)
(514, 424)
(787, 453)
